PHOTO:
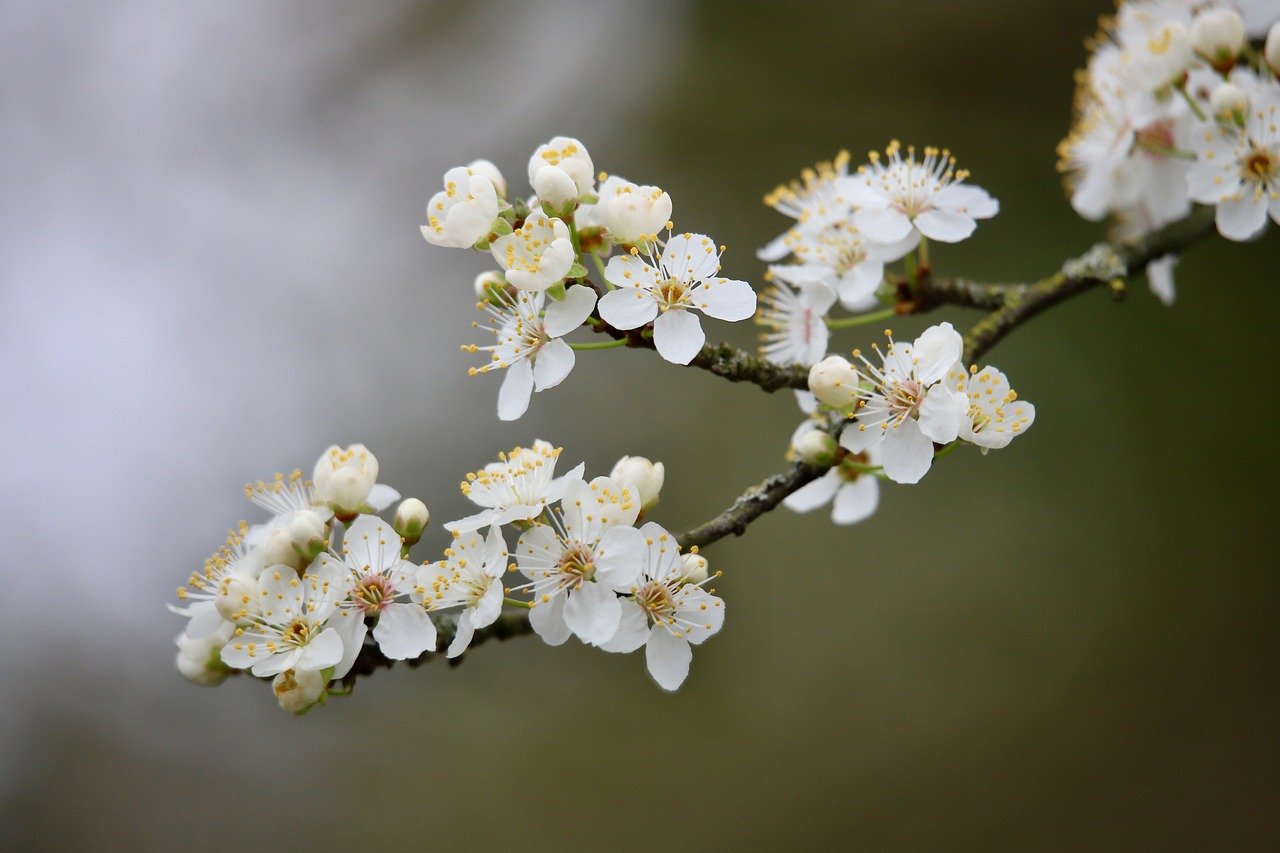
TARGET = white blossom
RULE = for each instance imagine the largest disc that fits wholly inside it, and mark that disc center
(631, 213)
(796, 320)
(199, 658)
(298, 689)
(908, 407)
(464, 211)
(1239, 171)
(646, 476)
(224, 589)
(469, 577)
(664, 611)
(536, 255)
(528, 329)
(818, 201)
(995, 415)
(840, 258)
(290, 623)
(561, 171)
(669, 288)
(906, 198)
(1217, 35)
(578, 563)
(518, 487)
(375, 582)
(852, 491)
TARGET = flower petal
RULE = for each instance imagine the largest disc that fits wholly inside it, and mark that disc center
(462, 635)
(563, 317)
(725, 299)
(592, 612)
(404, 631)
(547, 619)
(517, 388)
(690, 257)
(884, 225)
(628, 307)
(618, 557)
(668, 659)
(1243, 218)
(633, 629)
(678, 336)
(945, 226)
(935, 351)
(907, 453)
(815, 494)
(856, 501)
(552, 364)
(323, 650)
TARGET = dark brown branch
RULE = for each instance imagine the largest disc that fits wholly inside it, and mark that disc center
(754, 503)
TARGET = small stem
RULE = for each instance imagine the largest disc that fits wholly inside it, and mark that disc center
(1166, 151)
(599, 262)
(909, 264)
(600, 345)
(515, 602)
(924, 252)
(948, 449)
(1191, 102)
(862, 319)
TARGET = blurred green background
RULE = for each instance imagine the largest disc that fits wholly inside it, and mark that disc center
(1067, 644)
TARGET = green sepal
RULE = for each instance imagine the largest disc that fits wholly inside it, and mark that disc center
(577, 271)
(556, 291)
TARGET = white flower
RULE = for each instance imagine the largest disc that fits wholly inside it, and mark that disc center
(906, 198)
(853, 492)
(490, 171)
(1160, 278)
(285, 498)
(346, 481)
(841, 259)
(995, 415)
(646, 476)
(289, 626)
(1217, 35)
(908, 408)
(199, 659)
(528, 330)
(631, 213)
(298, 689)
(669, 288)
(469, 577)
(465, 209)
(536, 255)
(373, 582)
(817, 201)
(518, 487)
(796, 320)
(834, 382)
(664, 611)
(1240, 171)
(578, 563)
(561, 171)
(224, 589)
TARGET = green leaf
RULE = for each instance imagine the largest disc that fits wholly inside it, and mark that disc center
(556, 291)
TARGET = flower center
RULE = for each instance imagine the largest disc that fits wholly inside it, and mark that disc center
(655, 600)
(904, 399)
(848, 470)
(1260, 166)
(576, 566)
(373, 593)
(1156, 140)
(298, 632)
(672, 294)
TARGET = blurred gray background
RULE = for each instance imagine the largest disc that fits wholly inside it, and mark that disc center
(210, 269)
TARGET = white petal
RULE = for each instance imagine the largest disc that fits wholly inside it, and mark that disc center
(489, 607)
(517, 388)
(726, 299)
(678, 336)
(856, 501)
(702, 613)
(563, 317)
(883, 226)
(973, 202)
(628, 308)
(690, 257)
(853, 437)
(1240, 220)
(668, 659)
(775, 250)
(462, 635)
(859, 283)
(942, 412)
(371, 544)
(323, 650)
(351, 628)
(382, 496)
(552, 364)
(280, 594)
(592, 612)
(945, 226)
(935, 351)
(547, 619)
(1160, 278)
(619, 557)
(857, 191)
(633, 629)
(404, 631)
(813, 495)
(628, 271)
(907, 453)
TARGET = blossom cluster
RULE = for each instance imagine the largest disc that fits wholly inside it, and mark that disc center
(652, 284)
(298, 598)
(1175, 107)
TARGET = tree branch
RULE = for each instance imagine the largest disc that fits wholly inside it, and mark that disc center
(753, 503)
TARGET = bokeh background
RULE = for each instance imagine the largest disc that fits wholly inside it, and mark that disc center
(211, 269)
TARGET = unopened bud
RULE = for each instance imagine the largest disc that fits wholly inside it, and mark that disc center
(234, 598)
(308, 534)
(644, 476)
(278, 550)
(695, 568)
(200, 660)
(491, 286)
(1271, 50)
(1218, 36)
(1229, 103)
(411, 519)
(344, 477)
(297, 690)
(554, 187)
(816, 447)
(834, 381)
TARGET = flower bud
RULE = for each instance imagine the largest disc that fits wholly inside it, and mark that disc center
(816, 447)
(200, 660)
(1217, 35)
(1229, 103)
(308, 535)
(568, 156)
(695, 567)
(411, 519)
(644, 476)
(344, 478)
(1271, 50)
(297, 690)
(834, 381)
(278, 550)
(489, 285)
(490, 171)
(633, 213)
(554, 187)
(234, 598)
